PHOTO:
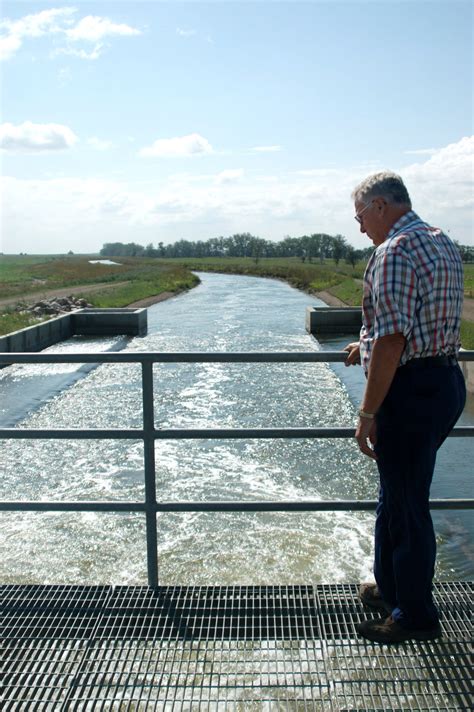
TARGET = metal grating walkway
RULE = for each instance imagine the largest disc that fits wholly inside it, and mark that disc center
(241, 648)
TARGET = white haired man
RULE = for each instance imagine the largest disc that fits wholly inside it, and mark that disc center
(415, 392)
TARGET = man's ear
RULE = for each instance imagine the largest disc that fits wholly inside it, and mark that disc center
(380, 205)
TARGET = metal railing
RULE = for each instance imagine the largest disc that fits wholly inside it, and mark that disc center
(149, 434)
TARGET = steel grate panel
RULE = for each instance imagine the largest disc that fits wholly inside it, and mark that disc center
(211, 613)
(189, 673)
(413, 676)
(238, 648)
(51, 611)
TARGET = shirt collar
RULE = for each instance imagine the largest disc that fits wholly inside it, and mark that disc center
(402, 222)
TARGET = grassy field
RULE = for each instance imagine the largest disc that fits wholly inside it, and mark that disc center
(21, 276)
(311, 277)
(342, 280)
(469, 281)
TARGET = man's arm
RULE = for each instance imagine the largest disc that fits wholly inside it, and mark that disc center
(384, 361)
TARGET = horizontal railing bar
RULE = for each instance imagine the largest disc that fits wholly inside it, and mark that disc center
(25, 506)
(238, 506)
(176, 357)
(188, 357)
(275, 433)
(192, 433)
(252, 433)
(176, 434)
(301, 506)
(71, 434)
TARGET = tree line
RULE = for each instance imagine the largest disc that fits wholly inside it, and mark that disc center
(309, 248)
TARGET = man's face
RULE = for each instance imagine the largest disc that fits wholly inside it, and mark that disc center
(369, 217)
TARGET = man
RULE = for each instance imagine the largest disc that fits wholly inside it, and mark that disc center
(415, 392)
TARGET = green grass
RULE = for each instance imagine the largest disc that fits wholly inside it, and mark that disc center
(13, 321)
(142, 277)
(121, 296)
(342, 280)
(467, 335)
(349, 291)
(469, 281)
(21, 275)
(310, 277)
(20, 268)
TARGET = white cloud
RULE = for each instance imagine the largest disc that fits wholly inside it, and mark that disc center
(185, 33)
(35, 138)
(93, 29)
(9, 44)
(99, 144)
(41, 212)
(444, 186)
(319, 172)
(61, 22)
(448, 174)
(192, 145)
(41, 23)
(229, 176)
(266, 149)
(94, 53)
(64, 76)
(421, 151)
(45, 22)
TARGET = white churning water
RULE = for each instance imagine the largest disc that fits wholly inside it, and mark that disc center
(224, 313)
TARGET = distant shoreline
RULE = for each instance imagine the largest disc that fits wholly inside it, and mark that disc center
(149, 301)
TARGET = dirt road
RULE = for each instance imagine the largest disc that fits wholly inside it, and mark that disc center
(32, 297)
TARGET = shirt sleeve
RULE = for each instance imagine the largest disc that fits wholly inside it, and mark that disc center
(394, 295)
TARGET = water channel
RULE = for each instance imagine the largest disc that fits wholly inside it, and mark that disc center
(224, 313)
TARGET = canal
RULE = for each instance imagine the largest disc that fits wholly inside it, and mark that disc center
(224, 313)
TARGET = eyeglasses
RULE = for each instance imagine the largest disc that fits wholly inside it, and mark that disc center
(357, 217)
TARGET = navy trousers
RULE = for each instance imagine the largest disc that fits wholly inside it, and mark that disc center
(419, 411)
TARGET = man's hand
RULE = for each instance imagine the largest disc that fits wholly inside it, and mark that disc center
(366, 433)
(354, 354)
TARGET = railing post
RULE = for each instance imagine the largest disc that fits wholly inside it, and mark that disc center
(150, 475)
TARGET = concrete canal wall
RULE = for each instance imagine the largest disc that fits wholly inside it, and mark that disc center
(84, 322)
(328, 321)
(467, 368)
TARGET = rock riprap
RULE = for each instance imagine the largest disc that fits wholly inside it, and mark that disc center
(54, 306)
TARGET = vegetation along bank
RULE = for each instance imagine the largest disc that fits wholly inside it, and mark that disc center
(25, 279)
(138, 280)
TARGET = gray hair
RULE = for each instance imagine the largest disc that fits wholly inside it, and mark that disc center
(386, 185)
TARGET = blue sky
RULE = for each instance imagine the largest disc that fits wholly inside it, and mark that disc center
(155, 121)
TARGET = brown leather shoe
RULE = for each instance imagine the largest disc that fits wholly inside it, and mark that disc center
(370, 596)
(388, 630)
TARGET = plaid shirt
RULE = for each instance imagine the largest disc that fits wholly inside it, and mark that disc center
(413, 285)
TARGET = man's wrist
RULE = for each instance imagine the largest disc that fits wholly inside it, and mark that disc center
(366, 415)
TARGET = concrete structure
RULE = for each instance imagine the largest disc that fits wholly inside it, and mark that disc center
(334, 321)
(329, 321)
(83, 322)
(467, 368)
(109, 322)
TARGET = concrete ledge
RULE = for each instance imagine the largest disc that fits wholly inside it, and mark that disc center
(333, 320)
(467, 367)
(84, 322)
(96, 322)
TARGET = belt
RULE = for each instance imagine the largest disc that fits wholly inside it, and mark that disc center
(431, 362)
